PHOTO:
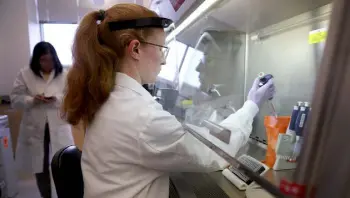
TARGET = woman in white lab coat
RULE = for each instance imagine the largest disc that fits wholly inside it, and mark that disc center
(38, 91)
(131, 143)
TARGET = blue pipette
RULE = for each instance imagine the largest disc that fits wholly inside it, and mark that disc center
(299, 128)
(291, 128)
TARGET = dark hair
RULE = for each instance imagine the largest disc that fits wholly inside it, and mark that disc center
(40, 49)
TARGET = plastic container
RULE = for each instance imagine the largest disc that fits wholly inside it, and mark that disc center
(273, 128)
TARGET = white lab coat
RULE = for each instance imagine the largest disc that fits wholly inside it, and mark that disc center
(30, 143)
(239, 132)
(133, 144)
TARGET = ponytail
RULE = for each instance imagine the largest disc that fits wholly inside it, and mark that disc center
(92, 76)
(96, 51)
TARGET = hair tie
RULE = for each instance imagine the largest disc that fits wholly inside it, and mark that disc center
(101, 15)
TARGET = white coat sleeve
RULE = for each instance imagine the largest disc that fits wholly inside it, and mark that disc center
(60, 95)
(59, 100)
(240, 124)
(166, 146)
(20, 97)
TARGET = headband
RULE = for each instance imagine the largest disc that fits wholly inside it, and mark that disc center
(151, 22)
(101, 15)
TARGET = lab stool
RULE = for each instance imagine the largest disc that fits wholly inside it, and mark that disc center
(67, 174)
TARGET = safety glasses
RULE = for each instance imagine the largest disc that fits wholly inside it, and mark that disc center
(164, 49)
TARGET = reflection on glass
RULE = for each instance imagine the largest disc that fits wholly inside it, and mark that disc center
(217, 68)
(173, 60)
(229, 47)
(189, 75)
(223, 58)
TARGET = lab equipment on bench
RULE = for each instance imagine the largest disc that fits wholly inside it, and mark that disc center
(284, 150)
(7, 164)
(289, 145)
(291, 128)
(300, 125)
(237, 176)
(241, 165)
(286, 143)
(274, 127)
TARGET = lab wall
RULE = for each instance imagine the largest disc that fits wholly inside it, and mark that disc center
(286, 53)
(18, 32)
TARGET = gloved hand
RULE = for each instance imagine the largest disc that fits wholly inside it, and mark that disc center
(260, 95)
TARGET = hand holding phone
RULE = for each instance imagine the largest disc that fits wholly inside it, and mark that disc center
(50, 98)
(44, 99)
(39, 99)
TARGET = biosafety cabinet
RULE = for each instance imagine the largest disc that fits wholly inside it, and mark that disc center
(218, 48)
(215, 58)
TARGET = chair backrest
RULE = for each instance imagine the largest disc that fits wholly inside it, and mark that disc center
(67, 174)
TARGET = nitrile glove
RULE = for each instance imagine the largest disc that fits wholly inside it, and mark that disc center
(260, 95)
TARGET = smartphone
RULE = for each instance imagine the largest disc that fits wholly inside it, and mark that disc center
(49, 97)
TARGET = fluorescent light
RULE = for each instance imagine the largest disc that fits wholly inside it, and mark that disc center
(190, 19)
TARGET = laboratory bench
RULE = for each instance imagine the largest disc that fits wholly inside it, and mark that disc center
(215, 185)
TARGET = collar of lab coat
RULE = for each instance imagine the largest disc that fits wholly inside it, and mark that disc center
(126, 81)
(51, 76)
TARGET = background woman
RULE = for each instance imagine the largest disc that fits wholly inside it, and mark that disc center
(38, 91)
